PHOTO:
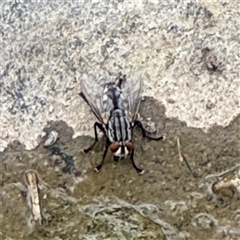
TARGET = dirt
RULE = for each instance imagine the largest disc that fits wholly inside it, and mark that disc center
(171, 200)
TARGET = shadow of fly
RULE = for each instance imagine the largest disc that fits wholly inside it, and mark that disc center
(116, 107)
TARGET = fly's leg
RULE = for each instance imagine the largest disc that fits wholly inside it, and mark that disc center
(120, 79)
(139, 170)
(96, 125)
(139, 124)
(97, 169)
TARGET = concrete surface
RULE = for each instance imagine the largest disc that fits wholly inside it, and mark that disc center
(46, 47)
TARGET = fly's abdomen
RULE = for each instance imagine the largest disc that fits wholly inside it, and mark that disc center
(119, 127)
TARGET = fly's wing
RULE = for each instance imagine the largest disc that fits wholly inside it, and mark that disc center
(132, 91)
(92, 95)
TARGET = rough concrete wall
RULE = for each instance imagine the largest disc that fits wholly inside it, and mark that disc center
(47, 46)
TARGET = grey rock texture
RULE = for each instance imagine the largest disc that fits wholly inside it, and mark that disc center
(47, 46)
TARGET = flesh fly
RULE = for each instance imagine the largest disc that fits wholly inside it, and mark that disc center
(33, 195)
(116, 107)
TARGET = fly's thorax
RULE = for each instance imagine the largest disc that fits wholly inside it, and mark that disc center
(119, 128)
(113, 97)
(121, 149)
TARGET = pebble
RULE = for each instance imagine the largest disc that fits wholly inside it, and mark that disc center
(51, 139)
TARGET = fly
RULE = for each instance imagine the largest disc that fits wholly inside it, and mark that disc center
(116, 107)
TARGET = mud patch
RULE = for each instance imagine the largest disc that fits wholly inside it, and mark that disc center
(181, 205)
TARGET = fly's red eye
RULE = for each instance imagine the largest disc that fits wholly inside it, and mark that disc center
(129, 146)
(114, 147)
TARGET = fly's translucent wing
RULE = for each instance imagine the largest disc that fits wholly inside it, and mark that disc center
(102, 100)
(92, 94)
(132, 91)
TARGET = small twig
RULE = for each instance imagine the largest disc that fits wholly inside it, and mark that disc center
(188, 165)
(223, 174)
(226, 184)
(179, 150)
(33, 195)
(222, 184)
(182, 156)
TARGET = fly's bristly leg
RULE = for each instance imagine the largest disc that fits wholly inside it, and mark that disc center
(139, 124)
(120, 79)
(139, 170)
(97, 169)
(96, 125)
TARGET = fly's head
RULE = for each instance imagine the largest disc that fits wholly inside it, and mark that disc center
(121, 149)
